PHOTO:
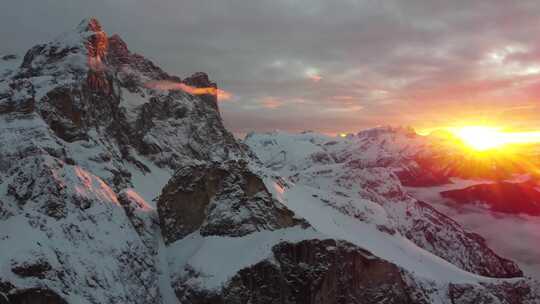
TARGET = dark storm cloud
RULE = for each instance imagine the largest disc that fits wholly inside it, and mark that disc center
(325, 65)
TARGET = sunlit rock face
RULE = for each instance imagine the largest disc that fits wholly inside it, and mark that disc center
(64, 229)
(90, 88)
(200, 80)
(97, 45)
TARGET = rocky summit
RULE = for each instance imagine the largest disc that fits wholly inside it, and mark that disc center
(120, 184)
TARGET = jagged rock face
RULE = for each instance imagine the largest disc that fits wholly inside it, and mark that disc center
(426, 227)
(200, 80)
(466, 249)
(97, 46)
(219, 199)
(72, 236)
(91, 88)
(3, 299)
(330, 271)
(325, 271)
(507, 292)
(142, 217)
(35, 296)
(78, 122)
(313, 271)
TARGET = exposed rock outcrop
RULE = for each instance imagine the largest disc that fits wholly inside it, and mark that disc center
(314, 271)
(327, 271)
(35, 296)
(507, 292)
(201, 80)
(219, 199)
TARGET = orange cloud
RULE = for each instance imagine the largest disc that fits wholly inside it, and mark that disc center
(271, 103)
(223, 95)
(166, 85)
(343, 97)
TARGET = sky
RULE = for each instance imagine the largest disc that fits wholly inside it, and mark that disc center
(329, 66)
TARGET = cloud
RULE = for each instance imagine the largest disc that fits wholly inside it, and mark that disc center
(413, 62)
(512, 236)
(222, 95)
(271, 103)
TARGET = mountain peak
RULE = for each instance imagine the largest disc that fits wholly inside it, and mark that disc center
(377, 131)
(199, 80)
(90, 24)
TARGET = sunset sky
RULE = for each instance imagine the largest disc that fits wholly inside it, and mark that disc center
(330, 66)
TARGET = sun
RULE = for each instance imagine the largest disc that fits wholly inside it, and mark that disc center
(481, 138)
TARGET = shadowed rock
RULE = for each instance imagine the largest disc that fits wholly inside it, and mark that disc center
(219, 199)
(36, 296)
(313, 271)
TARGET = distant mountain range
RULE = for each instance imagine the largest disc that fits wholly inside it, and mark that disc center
(120, 184)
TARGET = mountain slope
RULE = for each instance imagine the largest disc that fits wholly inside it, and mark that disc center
(348, 174)
(336, 187)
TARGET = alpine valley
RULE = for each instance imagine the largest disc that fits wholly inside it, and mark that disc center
(120, 185)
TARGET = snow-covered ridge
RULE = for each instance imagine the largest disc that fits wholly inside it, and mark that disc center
(346, 177)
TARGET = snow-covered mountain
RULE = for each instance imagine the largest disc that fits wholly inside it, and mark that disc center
(343, 174)
(117, 189)
(333, 165)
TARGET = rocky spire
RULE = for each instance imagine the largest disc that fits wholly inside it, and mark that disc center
(118, 50)
(97, 45)
(201, 80)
